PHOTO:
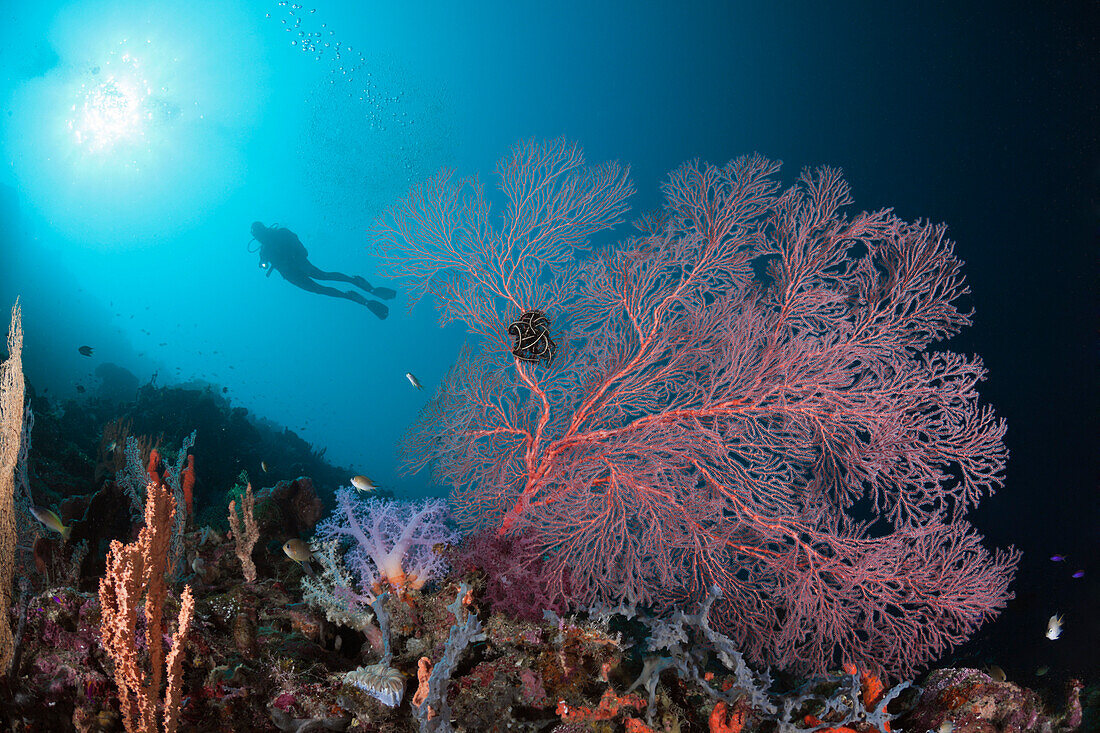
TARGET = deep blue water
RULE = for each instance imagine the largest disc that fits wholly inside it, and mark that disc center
(132, 235)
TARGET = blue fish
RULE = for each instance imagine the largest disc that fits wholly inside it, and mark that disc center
(1057, 558)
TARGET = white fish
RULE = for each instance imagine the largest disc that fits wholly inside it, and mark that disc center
(1054, 627)
(413, 380)
(363, 483)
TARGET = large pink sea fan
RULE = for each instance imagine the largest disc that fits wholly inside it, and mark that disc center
(743, 395)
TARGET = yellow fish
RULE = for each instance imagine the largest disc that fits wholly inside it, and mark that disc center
(363, 483)
(51, 521)
(297, 550)
(300, 553)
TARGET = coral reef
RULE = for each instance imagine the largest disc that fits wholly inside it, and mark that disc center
(971, 701)
(755, 368)
(259, 659)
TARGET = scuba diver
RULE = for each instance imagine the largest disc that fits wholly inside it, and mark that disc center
(280, 249)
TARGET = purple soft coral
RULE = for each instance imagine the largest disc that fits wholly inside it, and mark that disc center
(393, 540)
(518, 582)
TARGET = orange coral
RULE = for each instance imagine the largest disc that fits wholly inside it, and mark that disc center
(154, 466)
(188, 481)
(952, 698)
(728, 720)
(135, 570)
(872, 691)
(423, 673)
(609, 707)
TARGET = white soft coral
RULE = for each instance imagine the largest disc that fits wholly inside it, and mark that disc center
(392, 542)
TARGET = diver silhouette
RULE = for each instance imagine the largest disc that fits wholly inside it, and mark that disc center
(280, 249)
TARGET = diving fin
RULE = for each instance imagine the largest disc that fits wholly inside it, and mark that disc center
(378, 309)
(384, 293)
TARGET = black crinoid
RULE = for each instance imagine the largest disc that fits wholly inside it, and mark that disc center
(532, 334)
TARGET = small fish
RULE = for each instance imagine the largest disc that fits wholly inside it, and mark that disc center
(1078, 574)
(413, 380)
(85, 350)
(111, 447)
(946, 727)
(80, 388)
(1042, 671)
(996, 673)
(225, 389)
(50, 520)
(263, 465)
(1054, 627)
(297, 550)
(363, 483)
(300, 553)
(1057, 558)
